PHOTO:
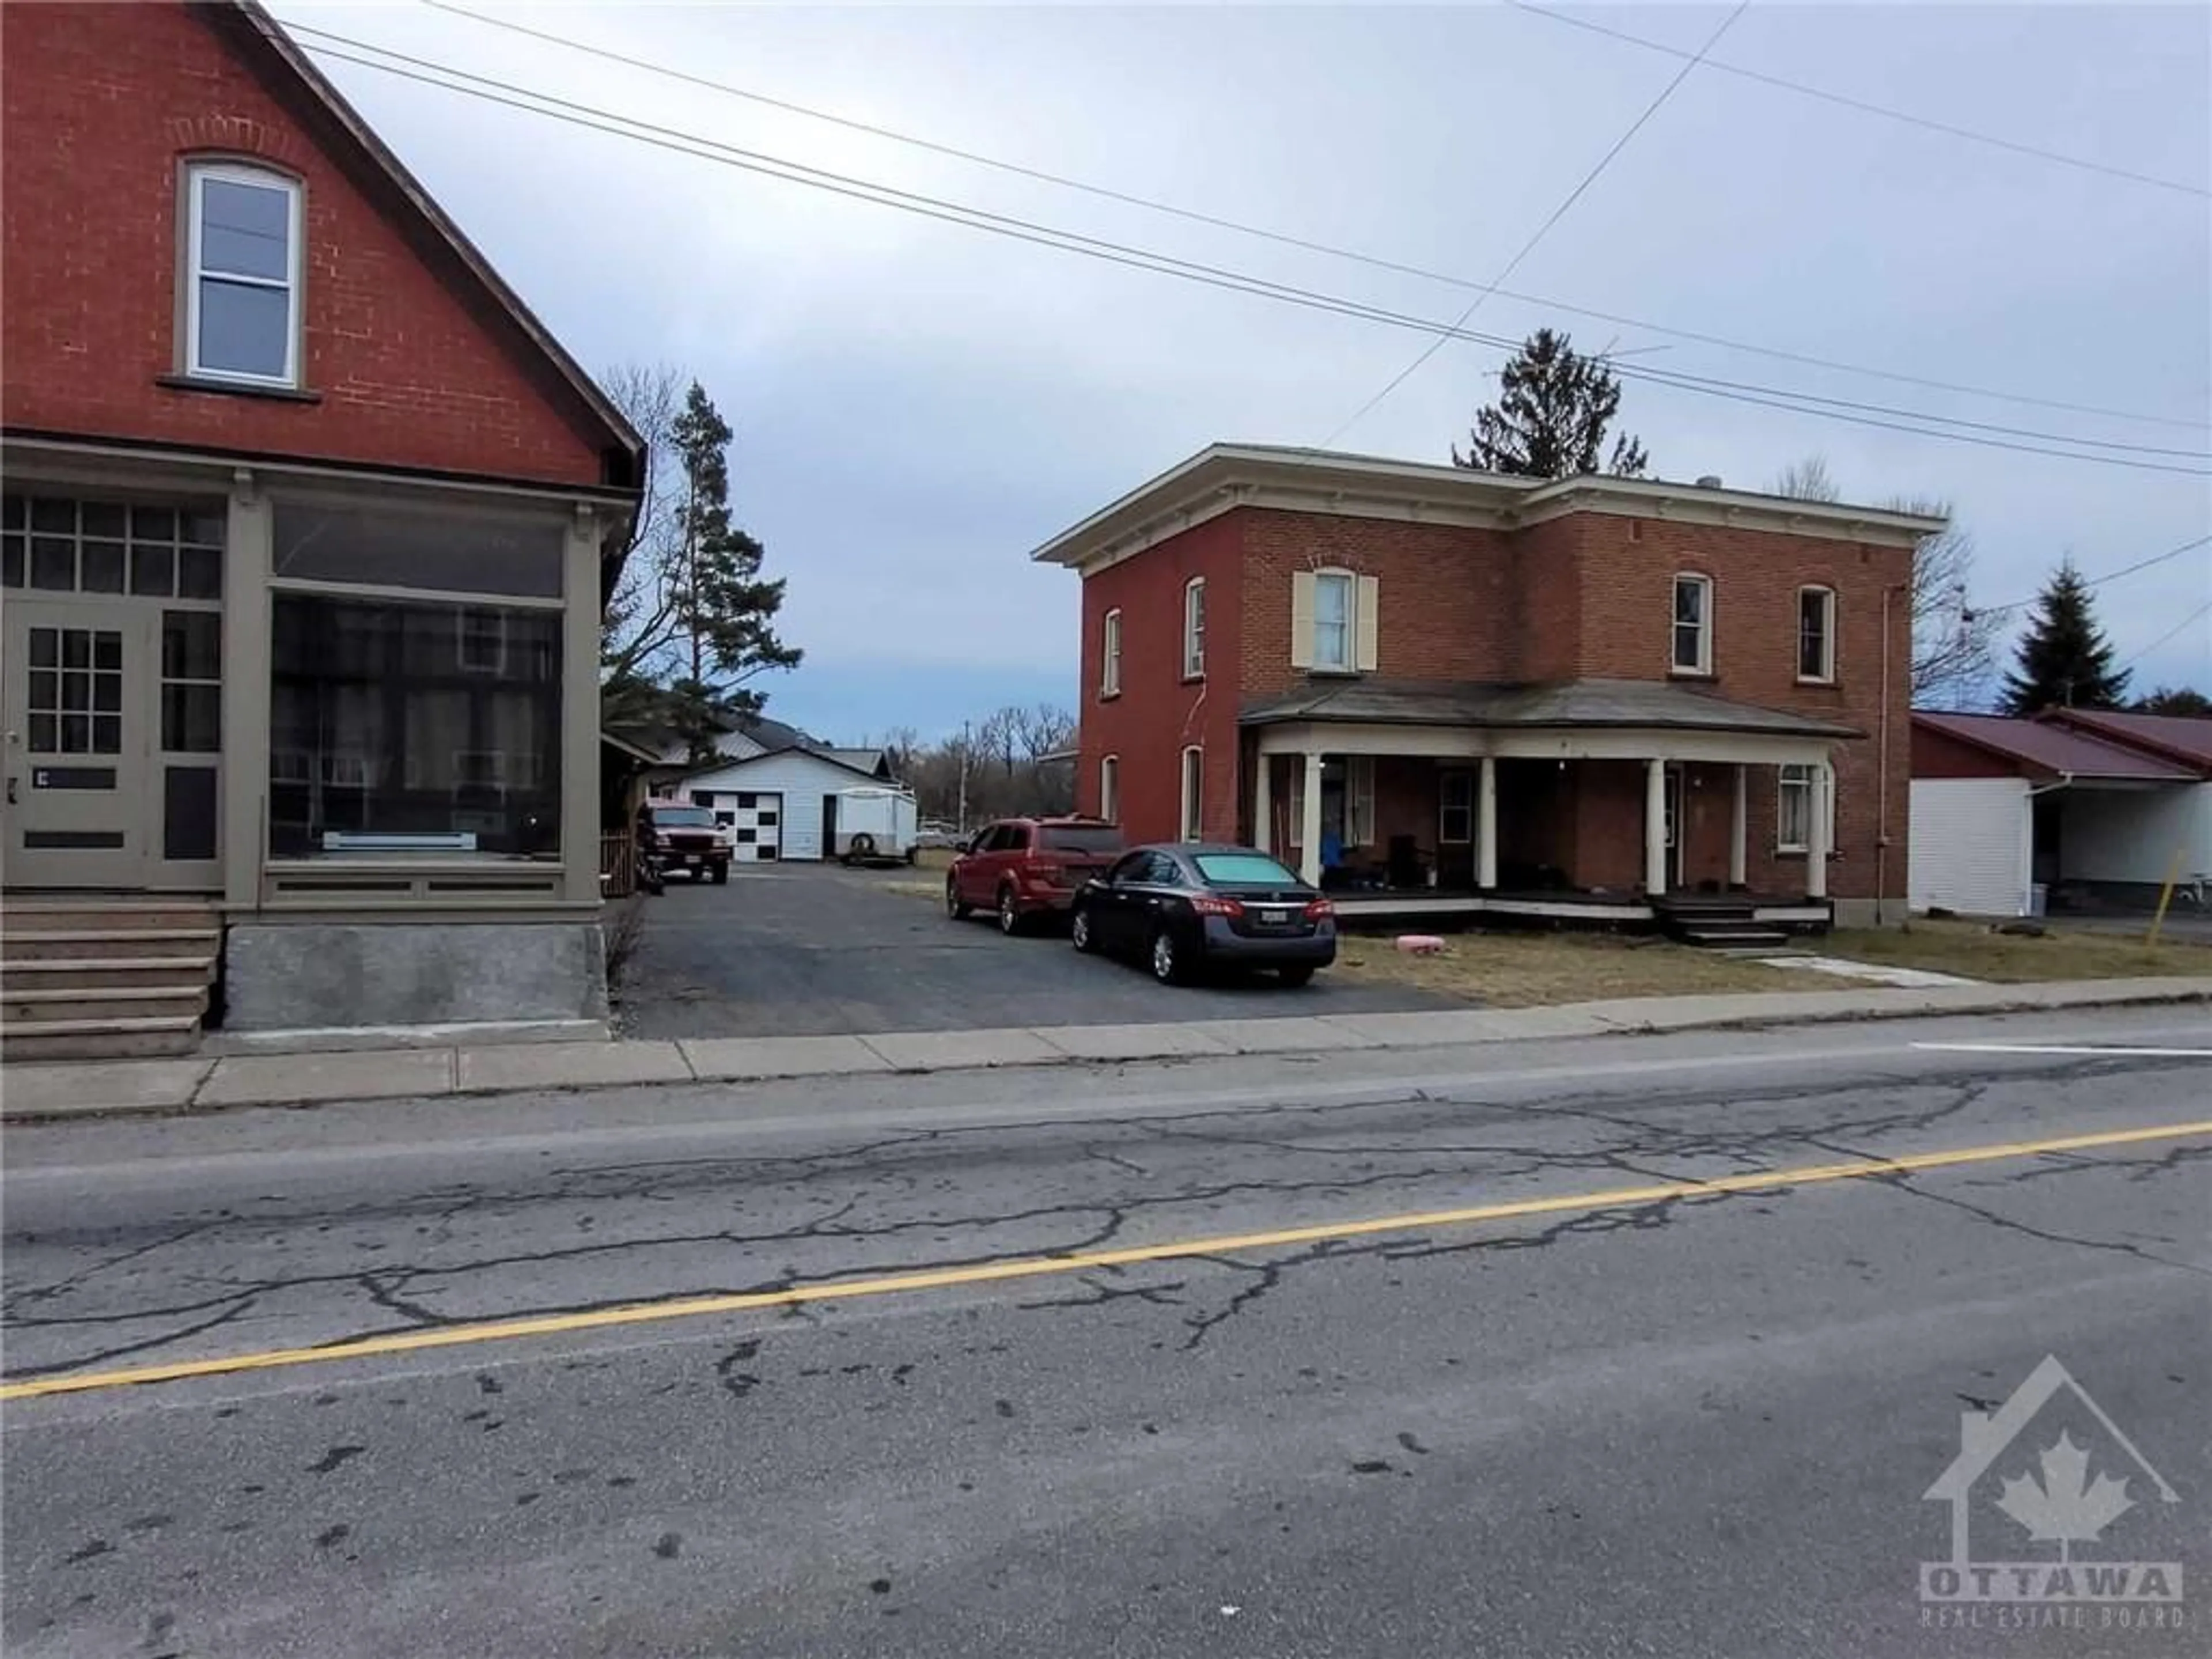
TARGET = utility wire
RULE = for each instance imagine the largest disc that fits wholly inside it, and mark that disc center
(512, 96)
(2197, 615)
(2109, 576)
(1543, 230)
(1865, 108)
(1282, 237)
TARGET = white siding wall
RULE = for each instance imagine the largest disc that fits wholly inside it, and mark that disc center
(801, 780)
(1970, 846)
(2132, 835)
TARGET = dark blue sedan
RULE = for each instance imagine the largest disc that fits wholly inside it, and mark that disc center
(1182, 908)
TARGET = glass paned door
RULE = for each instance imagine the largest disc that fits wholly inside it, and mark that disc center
(76, 699)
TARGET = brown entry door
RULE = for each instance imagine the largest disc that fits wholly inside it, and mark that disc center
(75, 703)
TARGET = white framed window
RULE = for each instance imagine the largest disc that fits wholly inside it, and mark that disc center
(1336, 603)
(480, 640)
(1693, 624)
(1110, 655)
(1110, 788)
(1360, 800)
(1455, 807)
(1193, 627)
(1816, 634)
(242, 264)
(1194, 794)
(1795, 786)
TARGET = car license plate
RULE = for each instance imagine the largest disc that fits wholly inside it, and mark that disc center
(1274, 918)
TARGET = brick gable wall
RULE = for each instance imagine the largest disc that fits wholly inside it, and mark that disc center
(414, 367)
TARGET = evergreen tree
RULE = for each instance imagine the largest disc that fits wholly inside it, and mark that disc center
(693, 621)
(2064, 661)
(1549, 421)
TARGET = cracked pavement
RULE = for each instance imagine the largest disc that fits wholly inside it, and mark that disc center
(1578, 1432)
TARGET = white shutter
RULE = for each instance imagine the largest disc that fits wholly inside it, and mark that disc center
(1302, 619)
(1368, 613)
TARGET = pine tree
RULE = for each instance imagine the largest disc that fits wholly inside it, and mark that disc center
(2064, 661)
(1549, 421)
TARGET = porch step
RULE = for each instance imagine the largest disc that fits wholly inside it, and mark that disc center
(87, 978)
(128, 943)
(79, 915)
(147, 1038)
(1731, 935)
(60, 973)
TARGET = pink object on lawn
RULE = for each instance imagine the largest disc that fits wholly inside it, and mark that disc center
(1420, 944)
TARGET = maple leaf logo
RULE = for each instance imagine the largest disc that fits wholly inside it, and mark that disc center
(2066, 1505)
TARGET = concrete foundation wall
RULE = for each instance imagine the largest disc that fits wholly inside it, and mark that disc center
(320, 975)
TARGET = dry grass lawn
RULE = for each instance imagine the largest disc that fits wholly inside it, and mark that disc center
(1971, 950)
(1522, 971)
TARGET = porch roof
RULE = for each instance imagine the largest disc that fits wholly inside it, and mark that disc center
(1587, 703)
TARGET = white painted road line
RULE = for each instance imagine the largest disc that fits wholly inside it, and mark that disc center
(2114, 1050)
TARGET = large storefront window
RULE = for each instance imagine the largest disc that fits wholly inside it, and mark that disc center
(399, 727)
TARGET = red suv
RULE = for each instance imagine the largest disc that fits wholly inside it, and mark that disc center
(1022, 868)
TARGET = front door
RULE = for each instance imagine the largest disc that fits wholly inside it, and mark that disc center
(75, 723)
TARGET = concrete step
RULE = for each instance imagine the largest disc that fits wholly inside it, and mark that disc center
(101, 1005)
(1748, 937)
(61, 973)
(46, 945)
(41, 916)
(99, 1039)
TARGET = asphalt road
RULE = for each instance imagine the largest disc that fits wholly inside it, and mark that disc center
(1703, 1426)
(809, 950)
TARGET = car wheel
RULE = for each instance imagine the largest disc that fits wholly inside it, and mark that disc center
(721, 875)
(1078, 930)
(1167, 959)
(954, 906)
(1011, 919)
(1295, 977)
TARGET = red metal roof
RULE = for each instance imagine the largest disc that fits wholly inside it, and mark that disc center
(2181, 737)
(2045, 747)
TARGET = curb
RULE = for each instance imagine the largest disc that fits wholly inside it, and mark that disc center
(1602, 1018)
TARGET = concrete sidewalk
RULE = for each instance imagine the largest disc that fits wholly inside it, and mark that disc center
(88, 1088)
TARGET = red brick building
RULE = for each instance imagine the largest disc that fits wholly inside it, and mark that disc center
(1528, 693)
(306, 527)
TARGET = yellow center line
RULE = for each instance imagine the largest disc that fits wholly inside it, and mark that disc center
(1038, 1266)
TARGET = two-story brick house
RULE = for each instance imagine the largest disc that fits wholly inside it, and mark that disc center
(1541, 697)
(306, 525)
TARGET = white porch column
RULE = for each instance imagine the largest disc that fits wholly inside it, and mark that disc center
(1309, 821)
(1263, 806)
(1654, 825)
(1485, 826)
(1739, 828)
(1816, 835)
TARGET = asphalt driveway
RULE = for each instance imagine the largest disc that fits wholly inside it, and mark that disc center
(811, 949)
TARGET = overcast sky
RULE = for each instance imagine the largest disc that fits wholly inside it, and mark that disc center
(919, 404)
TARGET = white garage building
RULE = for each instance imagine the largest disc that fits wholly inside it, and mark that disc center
(2076, 811)
(781, 804)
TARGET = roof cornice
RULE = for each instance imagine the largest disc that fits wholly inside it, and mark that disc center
(1224, 476)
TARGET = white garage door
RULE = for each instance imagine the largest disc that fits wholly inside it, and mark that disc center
(756, 821)
(1971, 845)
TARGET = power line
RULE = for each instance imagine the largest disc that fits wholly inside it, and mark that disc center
(1862, 105)
(2197, 615)
(2109, 576)
(1282, 237)
(1543, 230)
(570, 112)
